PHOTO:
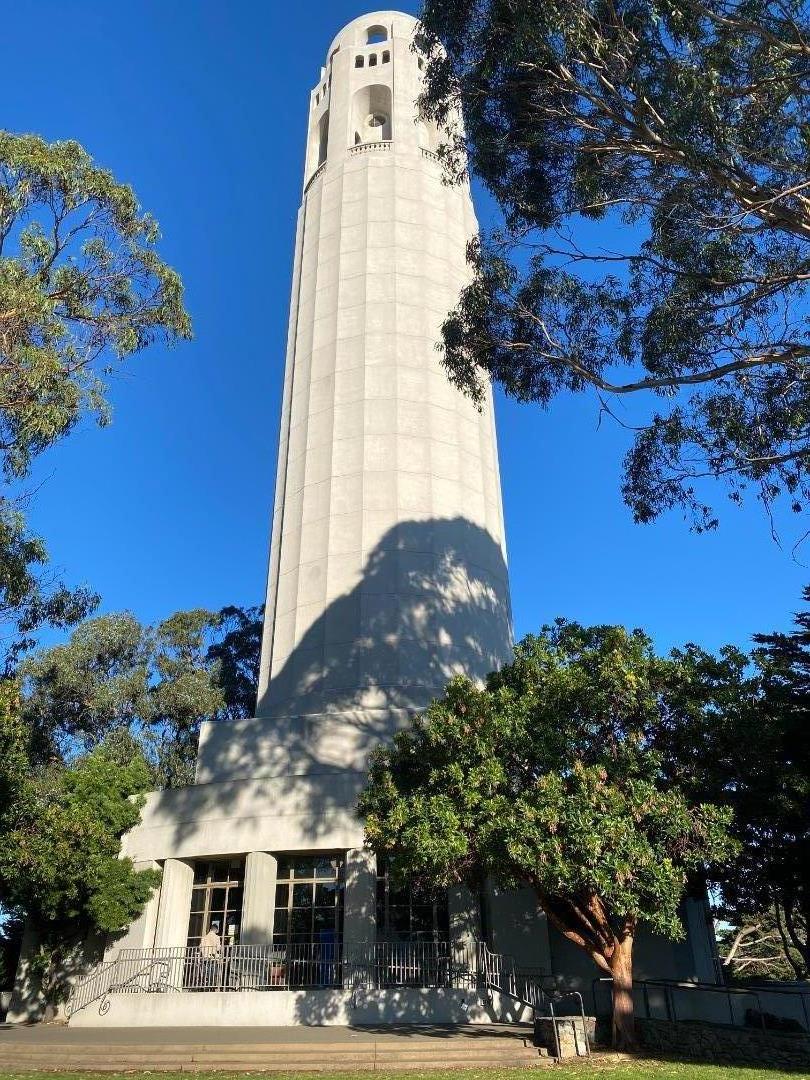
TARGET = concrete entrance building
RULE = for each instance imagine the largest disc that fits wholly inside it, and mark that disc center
(387, 576)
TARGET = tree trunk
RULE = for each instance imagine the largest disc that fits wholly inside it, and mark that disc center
(621, 968)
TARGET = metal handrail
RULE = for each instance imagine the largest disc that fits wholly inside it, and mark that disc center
(556, 1019)
(671, 985)
(504, 974)
(295, 965)
(92, 986)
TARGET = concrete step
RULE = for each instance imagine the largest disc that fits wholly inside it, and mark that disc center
(262, 1065)
(298, 1053)
(56, 1052)
(315, 1057)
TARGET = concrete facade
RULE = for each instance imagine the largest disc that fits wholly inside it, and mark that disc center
(387, 564)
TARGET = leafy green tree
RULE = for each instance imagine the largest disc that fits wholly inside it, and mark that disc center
(775, 802)
(238, 652)
(185, 693)
(156, 683)
(95, 684)
(651, 163)
(545, 778)
(81, 286)
(60, 836)
(30, 596)
(749, 750)
(14, 742)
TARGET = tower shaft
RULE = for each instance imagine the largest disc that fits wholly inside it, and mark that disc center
(387, 567)
(387, 564)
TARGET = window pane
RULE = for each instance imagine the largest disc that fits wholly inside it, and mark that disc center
(218, 898)
(282, 895)
(398, 919)
(300, 923)
(421, 918)
(443, 918)
(303, 867)
(219, 871)
(280, 921)
(195, 926)
(302, 895)
(326, 866)
(198, 899)
(200, 873)
(324, 919)
(398, 895)
(325, 894)
(284, 869)
(235, 899)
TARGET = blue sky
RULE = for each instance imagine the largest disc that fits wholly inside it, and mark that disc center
(201, 106)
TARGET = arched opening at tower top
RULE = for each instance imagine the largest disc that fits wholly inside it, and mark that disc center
(376, 34)
(319, 143)
(371, 114)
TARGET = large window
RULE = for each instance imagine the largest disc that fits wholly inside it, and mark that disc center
(410, 912)
(216, 897)
(309, 899)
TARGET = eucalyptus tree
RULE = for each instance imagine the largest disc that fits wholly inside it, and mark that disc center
(156, 684)
(650, 158)
(82, 288)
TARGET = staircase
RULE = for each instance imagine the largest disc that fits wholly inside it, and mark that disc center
(393, 1051)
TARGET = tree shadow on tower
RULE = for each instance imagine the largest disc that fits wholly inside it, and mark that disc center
(430, 601)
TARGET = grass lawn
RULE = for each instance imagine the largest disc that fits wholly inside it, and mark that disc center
(615, 1069)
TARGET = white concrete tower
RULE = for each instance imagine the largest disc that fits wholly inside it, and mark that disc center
(387, 564)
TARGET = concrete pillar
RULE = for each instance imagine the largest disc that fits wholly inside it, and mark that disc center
(174, 904)
(465, 924)
(360, 902)
(259, 899)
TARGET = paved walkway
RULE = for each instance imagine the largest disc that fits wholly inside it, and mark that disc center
(46, 1034)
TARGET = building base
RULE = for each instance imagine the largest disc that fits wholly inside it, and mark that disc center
(282, 1008)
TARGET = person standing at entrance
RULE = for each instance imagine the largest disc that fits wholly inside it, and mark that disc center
(211, 952)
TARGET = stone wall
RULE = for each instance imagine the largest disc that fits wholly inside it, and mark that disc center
(572, 1037)
(720, 1043)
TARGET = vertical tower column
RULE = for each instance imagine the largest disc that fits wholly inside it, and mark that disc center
(465, 924)
(259, 899)
(174, 905)
(360, 904)
(387, 571)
